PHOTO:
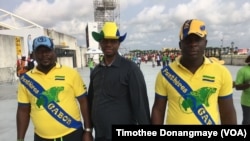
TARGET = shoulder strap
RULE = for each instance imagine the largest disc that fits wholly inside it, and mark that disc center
(184, 89)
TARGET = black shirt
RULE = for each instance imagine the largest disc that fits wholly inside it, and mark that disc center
(117, 95)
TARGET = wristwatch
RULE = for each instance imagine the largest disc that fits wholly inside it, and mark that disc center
(88, 130)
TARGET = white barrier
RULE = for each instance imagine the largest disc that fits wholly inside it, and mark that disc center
(8, 75)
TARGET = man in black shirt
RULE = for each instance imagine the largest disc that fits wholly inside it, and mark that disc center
(117, 91)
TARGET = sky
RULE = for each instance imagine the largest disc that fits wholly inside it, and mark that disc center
(149, 24)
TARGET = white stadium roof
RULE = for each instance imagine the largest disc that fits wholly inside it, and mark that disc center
(9, 20)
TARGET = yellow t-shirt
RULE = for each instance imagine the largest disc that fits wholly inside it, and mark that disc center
(62, 85)
(210, 82)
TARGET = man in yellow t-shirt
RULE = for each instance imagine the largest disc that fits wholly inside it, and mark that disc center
(48, 94)
(193, 89)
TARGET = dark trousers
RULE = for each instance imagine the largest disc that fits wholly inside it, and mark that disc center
(246, 115)
(102, 139)
(74, 136)
(158, 63)
(163, 63)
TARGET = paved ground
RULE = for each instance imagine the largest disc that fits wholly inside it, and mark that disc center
(8, 101)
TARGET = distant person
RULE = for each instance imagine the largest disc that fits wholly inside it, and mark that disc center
(138, 61)
(91, 64)
(164, 60)
(117, 91)
(22, 66)
(100, 58)
(54, 97)
(134, 59)
(158, 59)
(172, 57)
(242, 82)
(193, 89)
(153, 60)
(168, 59)
(146, 58)
(30, 49)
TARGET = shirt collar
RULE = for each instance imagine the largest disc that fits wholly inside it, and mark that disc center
(35, 70)
(206, 60)
(116, 62)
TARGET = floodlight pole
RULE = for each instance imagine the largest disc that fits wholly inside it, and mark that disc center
(81, 57)
(232, 47)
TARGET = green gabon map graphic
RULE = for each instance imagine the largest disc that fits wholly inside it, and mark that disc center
(50, 94)
(197, 98)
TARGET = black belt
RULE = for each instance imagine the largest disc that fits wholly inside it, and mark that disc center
(73, 136)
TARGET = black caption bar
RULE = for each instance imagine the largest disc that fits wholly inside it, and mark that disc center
(186, 132)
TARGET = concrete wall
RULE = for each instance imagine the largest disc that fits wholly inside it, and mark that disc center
(64, 41)
(8, 53)
(8, 58)
(237, 60)
(24, 33)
